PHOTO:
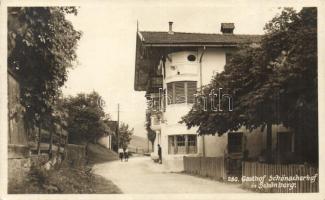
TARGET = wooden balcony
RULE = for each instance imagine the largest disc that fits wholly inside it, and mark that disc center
(154, 84)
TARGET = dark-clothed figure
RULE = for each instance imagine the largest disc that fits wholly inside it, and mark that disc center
(126, 154)
(120, 153)
(159, 154)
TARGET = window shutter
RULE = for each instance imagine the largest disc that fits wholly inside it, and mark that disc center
(179, 92)
(163, 100)
(191, 91)
(170, 93)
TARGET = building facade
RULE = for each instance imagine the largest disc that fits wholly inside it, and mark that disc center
(172, 67)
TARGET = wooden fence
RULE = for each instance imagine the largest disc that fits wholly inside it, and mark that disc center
(284, 178)
(213, 167)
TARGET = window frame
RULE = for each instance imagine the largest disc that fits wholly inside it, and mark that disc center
(175, 97)
(239, 146)
(186, 148)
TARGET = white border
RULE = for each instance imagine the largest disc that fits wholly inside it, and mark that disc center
(254, 3)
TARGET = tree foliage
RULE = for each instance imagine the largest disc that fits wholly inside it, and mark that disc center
(125, 134)
(86, 120)
(273, 83)
(151, 134)
(41, 48)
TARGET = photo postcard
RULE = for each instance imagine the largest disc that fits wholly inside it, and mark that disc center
(160, 99)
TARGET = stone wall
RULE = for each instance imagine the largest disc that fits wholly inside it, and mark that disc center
(39, 160)
(18, 170)
(18, 163)
(75, 155)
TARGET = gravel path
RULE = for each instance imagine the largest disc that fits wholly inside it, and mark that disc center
(141, 175)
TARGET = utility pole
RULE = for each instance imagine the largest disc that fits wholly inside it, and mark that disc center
(118, 126)
(201, 91)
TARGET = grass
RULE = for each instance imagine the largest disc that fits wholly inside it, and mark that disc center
(69, 180)
(65, 180)
(99, 154)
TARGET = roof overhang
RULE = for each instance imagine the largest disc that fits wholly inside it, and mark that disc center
(149, 53)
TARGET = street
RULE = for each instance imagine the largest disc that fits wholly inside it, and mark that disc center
(142, 175)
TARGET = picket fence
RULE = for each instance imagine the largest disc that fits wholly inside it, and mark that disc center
(255, 169)
(213, 167)
(286, 176)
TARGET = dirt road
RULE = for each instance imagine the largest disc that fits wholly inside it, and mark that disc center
(141, 175)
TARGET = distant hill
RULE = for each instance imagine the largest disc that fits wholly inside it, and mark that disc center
(138, 142)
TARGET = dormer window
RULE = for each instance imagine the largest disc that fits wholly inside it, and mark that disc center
(191, 58)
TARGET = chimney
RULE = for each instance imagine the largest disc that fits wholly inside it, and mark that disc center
(170, 28)
(227, 28)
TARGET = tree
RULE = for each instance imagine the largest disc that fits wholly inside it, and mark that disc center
(274, 83)
(125, 135)
(86, 118)
(112, 125)
(59, 122)
(151, 134)
(41, 48)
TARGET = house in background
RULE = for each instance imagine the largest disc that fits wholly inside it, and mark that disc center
(172, 67)
(106, 140)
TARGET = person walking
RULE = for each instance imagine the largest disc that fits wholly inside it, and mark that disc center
(120, 153)
(159, 154)
(126, 154)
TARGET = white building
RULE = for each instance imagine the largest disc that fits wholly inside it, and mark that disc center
(171, 67)
(105, 141)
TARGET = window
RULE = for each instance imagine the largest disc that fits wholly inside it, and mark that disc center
(191, 91)
(179, 88)
(181, 92)
(191, 58)
(192, 140)
(180, 140)
(284, 142)
(181, 147)
(182, 144)
(163, 100)
(235, 141)
(192, 144)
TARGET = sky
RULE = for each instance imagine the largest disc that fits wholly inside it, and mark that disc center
(106, 51)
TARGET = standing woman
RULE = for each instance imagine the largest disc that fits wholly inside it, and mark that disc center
(159, 154)
(126, 154)
(120, 153)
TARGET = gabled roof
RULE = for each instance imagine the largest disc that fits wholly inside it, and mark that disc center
(150, 45)
(180, 38)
